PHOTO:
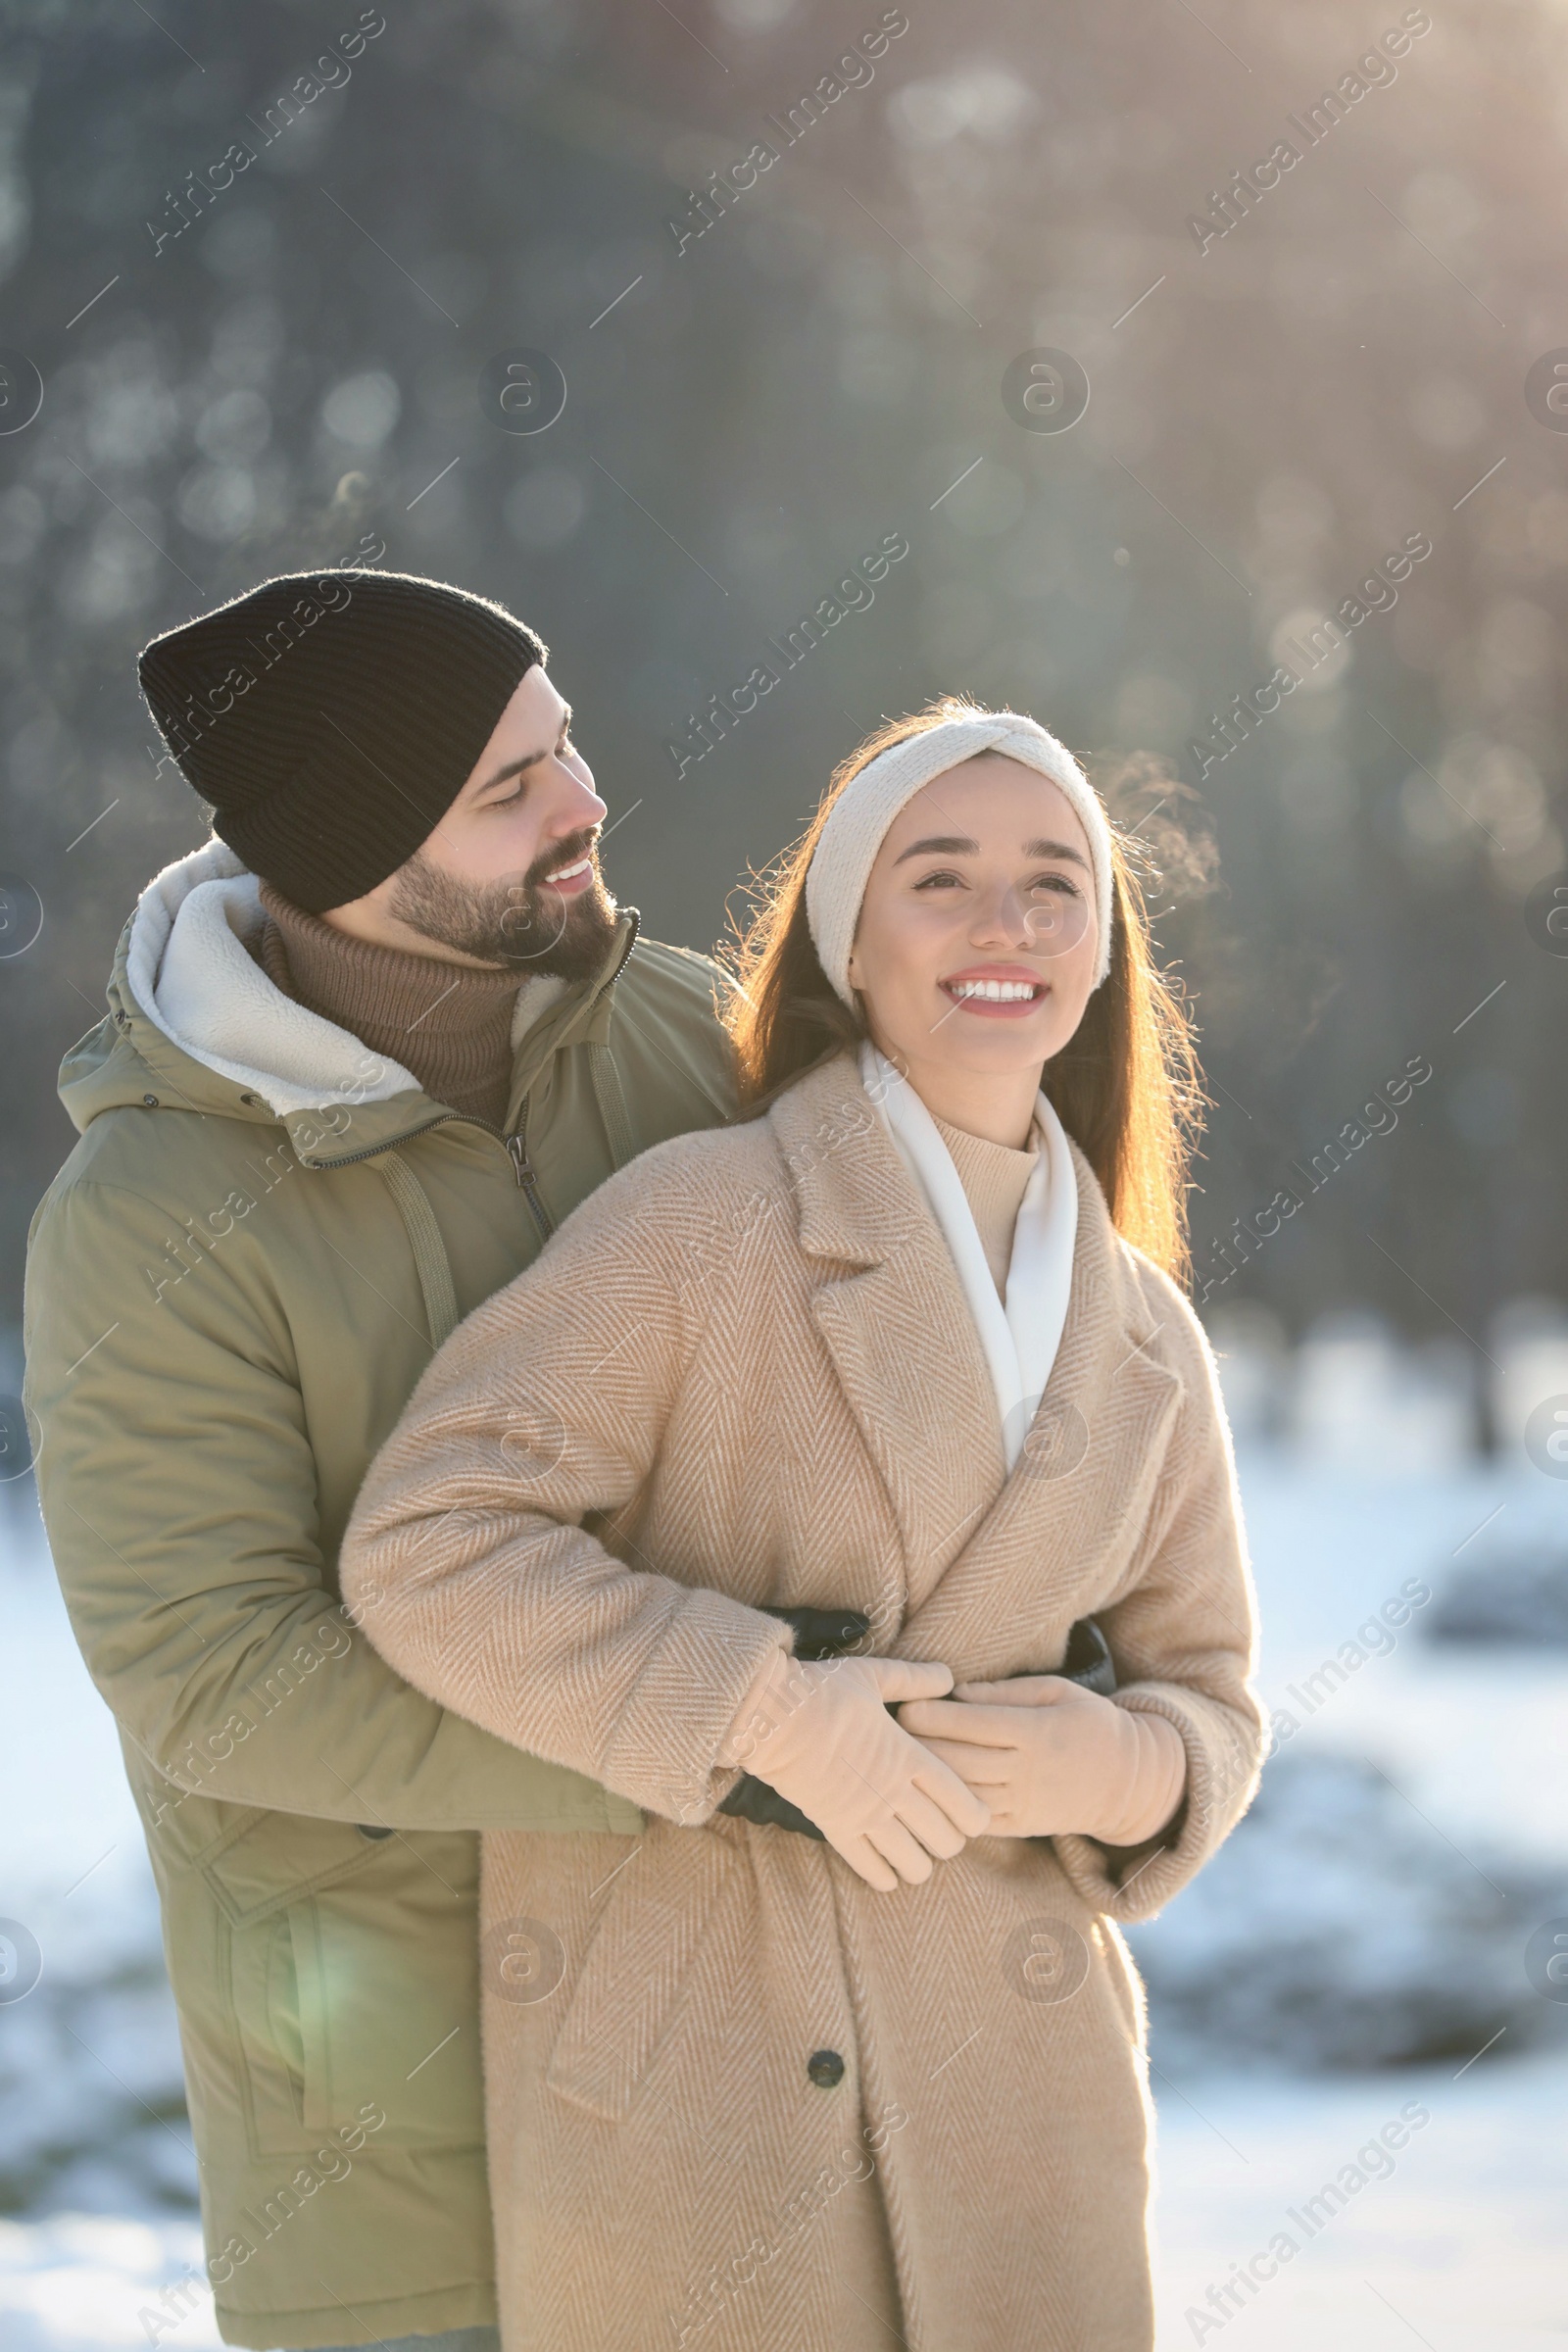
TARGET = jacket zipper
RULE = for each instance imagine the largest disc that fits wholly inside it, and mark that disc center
(517, 1145)
(448, 1118)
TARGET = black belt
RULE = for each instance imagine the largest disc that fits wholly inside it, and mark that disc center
(828, 1634)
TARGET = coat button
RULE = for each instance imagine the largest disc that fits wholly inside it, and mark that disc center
(825, 2069)
(366, 1829)
(151, 1102)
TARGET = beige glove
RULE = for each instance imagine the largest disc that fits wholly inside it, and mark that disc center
(823, 1736)
(1049, 1758)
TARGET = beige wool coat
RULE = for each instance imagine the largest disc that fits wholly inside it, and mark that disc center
(744, 1372)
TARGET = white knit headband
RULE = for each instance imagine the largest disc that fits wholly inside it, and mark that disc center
(856, 827)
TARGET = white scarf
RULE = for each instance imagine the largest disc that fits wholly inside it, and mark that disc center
(1020, 1340)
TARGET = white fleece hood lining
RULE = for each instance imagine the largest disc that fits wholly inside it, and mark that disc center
(192, 974)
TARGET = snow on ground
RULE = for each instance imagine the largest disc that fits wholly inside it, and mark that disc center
(1463, 2246)
(1477, 1735)
(82, 2282)
(1410, 1835)
(1460, 2246)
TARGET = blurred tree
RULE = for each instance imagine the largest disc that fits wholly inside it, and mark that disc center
(282, 367)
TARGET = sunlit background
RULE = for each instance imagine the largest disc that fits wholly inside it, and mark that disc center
(1324, 434)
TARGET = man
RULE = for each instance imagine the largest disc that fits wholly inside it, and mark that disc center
(364, 1049)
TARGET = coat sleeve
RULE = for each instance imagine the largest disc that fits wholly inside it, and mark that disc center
(468, 1558)
(178, 1492)
(1184, 1636)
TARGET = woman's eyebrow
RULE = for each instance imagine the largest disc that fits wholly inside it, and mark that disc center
(951, 845)
(958, 845)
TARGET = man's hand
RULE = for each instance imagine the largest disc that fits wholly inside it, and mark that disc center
(1049, 1758)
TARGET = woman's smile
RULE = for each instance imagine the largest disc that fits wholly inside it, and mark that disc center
(995, 992)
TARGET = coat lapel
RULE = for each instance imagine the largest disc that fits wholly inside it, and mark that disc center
(997, 1567)
(1063, 1531)
(893, 1318)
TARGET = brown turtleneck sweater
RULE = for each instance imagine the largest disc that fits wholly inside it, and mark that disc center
(450, 1024)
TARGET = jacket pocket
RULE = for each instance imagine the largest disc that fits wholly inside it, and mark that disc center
(354, 1998)
(636, 1972)
(263, 2005)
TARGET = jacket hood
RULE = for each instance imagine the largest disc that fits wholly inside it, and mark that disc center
(195, 1023)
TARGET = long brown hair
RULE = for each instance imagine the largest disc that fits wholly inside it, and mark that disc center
(1126, 1088)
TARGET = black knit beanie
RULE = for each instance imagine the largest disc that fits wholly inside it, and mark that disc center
(332, 720)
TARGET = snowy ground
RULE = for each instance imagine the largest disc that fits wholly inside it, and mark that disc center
(1465, 2245)
(1462, 2245)
(1477, 1737)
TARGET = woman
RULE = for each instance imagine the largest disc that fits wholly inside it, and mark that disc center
(904, 1345)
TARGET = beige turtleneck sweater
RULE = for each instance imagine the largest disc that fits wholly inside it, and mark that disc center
(450, 1024)
(995, 1179)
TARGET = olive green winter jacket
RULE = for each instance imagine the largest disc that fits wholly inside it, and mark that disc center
(233, 1284)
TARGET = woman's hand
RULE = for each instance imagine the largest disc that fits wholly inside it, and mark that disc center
(1049, 1758)
(823, 1736)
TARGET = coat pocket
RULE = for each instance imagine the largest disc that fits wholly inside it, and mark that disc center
(637, 1969)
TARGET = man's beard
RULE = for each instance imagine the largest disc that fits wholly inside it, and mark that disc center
(520, 923)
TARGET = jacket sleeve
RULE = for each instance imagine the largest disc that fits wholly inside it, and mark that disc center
(178, 1492)
(468, 1559)
(1184, 1636)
